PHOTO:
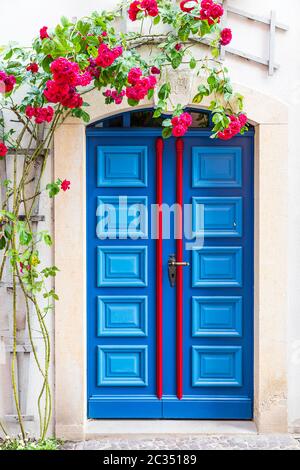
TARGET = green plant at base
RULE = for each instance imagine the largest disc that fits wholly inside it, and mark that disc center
(30, 444)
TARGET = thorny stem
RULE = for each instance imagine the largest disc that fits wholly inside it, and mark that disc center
(14, 356)
(42, 148)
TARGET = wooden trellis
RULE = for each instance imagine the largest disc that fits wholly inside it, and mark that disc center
(24, 348)
(273, 25)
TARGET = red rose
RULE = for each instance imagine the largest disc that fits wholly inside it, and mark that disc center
(175, 121)
(186, 119)
(181, 124)
(216, 11)
(65, 185)
(30, 111)
(179, 130)
(134, 9)
(151, 82)
(65, 72)
(66, 77)
(206, 4)
(148, 7)
(44, 33)
(41, 114)
(7, 82)
(188, 9)
(85, 79)
(33, 67)
(3, 150)
(155, 70)
(243, 119)
(140, 85)
(178, 47)
(226, 37)
(93, 69)
(117, 51)
(72, 100)
(234, 127)
(134, 75)
(106, 56)
(225, 135)
(211, 11)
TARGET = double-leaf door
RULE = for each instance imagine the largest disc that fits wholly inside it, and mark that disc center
(169, 276)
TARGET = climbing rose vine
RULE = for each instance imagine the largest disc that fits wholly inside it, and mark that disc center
(44, 85)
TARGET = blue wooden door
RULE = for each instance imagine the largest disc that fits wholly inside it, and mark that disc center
(216, 348)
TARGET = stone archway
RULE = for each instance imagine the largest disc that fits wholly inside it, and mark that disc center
(271, 148)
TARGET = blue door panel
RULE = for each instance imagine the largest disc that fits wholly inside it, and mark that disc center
(122, 366)
(122, 315)
(214, 316)
(119, 216)
(217, 366)
(125, 166)
(217, 216)
(121, 266)
(214, 167)
(121, 278)
(217, 267)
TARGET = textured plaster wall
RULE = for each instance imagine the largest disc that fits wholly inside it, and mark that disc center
(29, 16)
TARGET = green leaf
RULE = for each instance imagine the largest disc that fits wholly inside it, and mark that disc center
(8, 231)
(53, 189)
(85, 116)
(217, 118)
(92, 51)
(46, 64)
(92, 41)
(2, 243)
(47, 239)
(150, 93)
(167, 123)
(132, 102)
(25, 236)
(203, 90)
(215, 52)
(176, 61)
(157, 113)
(51, 271)
(212, 81)
(83, 28)
(204, 28)
(64, 21)
(8, 215)
(167, 132)
(51, 294)
(193, 63)
(8, 55)
(184, 32)
(164, 91)
(198, 98)
(156, 20)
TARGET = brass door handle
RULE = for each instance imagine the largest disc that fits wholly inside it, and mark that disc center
(172, 268)
(179, 263)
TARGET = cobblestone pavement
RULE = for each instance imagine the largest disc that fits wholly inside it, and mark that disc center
(212, 442)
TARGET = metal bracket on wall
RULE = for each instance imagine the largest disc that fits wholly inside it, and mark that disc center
(273, 26)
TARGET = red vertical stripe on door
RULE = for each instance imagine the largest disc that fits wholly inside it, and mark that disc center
(159, 267)
(179, 254)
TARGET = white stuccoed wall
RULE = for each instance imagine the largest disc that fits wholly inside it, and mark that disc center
(20, 21)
